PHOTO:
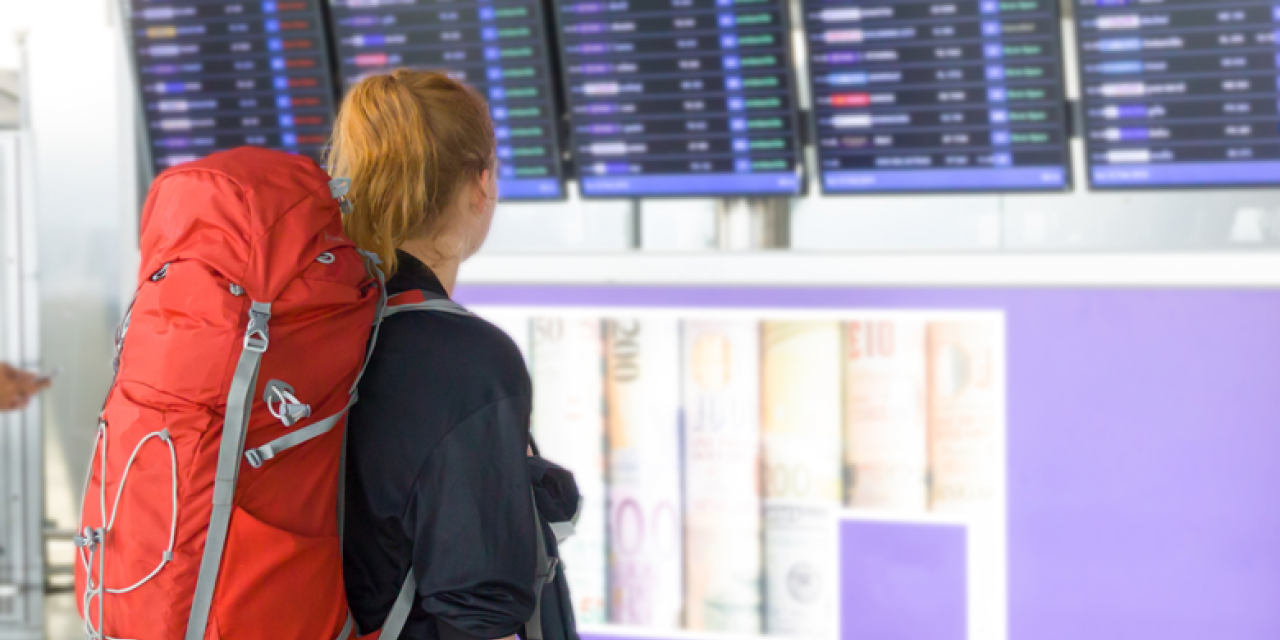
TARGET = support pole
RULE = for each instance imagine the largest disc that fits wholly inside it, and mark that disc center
(754, 224)
(636, 222)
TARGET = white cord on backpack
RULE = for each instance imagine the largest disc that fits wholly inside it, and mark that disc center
(93, 543)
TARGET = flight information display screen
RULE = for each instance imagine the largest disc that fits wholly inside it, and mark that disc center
(938, 95)
(496, 46)
(1180, 93)
(680, 97)
(218, 75)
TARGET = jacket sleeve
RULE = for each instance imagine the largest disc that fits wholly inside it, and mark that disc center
(472, 525)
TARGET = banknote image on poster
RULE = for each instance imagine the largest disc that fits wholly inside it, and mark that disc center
(723, 577)
(886, 427)
(568, 424)
(801, 426)
(965, 399)
(646, 561)
(967, 454)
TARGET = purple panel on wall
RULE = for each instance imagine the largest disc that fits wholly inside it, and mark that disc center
(902, 581)
(1143, 439)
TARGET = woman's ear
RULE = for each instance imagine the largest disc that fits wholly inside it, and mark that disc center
(481, 191)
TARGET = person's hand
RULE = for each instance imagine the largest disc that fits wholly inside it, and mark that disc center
(17, 387)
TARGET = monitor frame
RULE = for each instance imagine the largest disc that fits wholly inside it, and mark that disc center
(146, 149)
(1068, 167)
(1087, 160)
(562, 174)
(797, 132)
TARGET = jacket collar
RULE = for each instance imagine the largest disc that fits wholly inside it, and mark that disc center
(411, 274)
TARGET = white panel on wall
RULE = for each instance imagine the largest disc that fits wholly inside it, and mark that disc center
(896, 223)
(678, 225)
(572, 225)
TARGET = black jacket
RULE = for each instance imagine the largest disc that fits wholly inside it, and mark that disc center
(437, 477)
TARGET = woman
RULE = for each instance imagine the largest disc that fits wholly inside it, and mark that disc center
(437, 476)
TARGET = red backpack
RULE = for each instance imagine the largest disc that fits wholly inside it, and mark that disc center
(221, 441)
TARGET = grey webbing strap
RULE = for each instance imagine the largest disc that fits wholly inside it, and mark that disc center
(372, 263)
(563, 530)
(257, 457)
(342, 493)
(399, 614)
(546, 573)
(533, 628)
(444, 306)
(234, 428)
(348, 627)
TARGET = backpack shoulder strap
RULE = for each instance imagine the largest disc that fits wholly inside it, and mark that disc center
(399, 614)
(421, 300)
(545, 574)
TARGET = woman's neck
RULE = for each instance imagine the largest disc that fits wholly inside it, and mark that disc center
(445, 268)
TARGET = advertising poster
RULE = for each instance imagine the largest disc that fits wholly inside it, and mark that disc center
(721, 454)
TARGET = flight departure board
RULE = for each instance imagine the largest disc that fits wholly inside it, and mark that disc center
(680, 97)
(217, 75)
(938, 95)
(1180, 93)
(499, 47)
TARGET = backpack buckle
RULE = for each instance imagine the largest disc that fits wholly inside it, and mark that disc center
(338, 188)
(90, 539)
(256, 335)
(254, 458)
(549, 571)
(160, 275)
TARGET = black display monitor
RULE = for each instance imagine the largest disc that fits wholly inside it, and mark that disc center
(218, 75)
(1180, 93)
(499, 47)
(680, 97)
(938, 95)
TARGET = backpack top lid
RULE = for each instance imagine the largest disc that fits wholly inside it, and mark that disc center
(256, 216)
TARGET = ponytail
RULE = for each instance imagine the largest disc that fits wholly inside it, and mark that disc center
(407, 141)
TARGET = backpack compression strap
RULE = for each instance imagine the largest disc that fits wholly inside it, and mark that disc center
(234, 429)
(259, 456)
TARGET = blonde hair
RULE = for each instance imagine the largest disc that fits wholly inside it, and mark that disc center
(407, 141)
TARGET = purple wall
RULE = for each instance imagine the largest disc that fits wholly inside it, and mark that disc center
(903, 581)
(1144, 447)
